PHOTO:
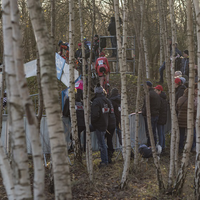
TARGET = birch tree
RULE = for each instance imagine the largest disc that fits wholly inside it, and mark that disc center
(59, 152)
(197, 164)
(124, 92)
(27, 103)
(86, 114)
(190, 111)
(53, 23)
(21, 180)
(77, 149)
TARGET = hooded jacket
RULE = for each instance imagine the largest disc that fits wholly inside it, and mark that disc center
(100, 112)
(162, 120)
(154, 104)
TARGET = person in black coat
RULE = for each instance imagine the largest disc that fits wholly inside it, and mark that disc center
(112, 30)
(162, 120)
(100, 111)
(116, 102)
(179, 89)
(154, 109)
(185, 63)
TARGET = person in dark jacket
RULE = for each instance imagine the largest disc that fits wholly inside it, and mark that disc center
(185, 63)
(179, 89)
(154, 109)
(100, 111)
(78, 53)
(95, 47)
(162, 120)
(112, 30)
(110, 132)
(79, 114)
(116, 102)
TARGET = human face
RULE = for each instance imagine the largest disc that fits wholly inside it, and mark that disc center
(157, 91)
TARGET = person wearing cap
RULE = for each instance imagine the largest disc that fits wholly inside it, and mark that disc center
(102, 68)
(185, 63)
(179, 89)
(162, 120)
(100, 111)
(154, 109)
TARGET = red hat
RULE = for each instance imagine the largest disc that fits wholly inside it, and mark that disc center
(79, 44)
(177, 81)
(159, 87)
(102, 54)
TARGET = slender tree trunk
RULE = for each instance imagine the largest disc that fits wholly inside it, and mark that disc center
(53, 23)
(27, 103)
(77, 149)
(197, 165)
(88, 141)
(2, 95)
(59, 152)
(190, 111)
(124, 96)
(21, 178)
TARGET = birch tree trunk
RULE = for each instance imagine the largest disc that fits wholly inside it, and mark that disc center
(2, 95)
(20, 169)
(27, 103)
(190, 111)
(119, 47)
(197, 165)
(77, 149)
(86, 114)
(124, 97)
(59, 152)
(53, 24)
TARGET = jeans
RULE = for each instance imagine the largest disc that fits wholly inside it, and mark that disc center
(102, 146)
(154, 121)
(119, 133)
(162, 68)
(194, 139)
(182, 137)
(114, 45)
(109, 136)
(80, 129)
(161, 135)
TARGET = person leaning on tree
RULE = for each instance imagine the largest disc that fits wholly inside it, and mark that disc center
(154, 110)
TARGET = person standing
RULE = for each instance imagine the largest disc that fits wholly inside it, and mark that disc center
(112, 30)
(99, 120)
(162, 120)
(185, 63)
(154, 109)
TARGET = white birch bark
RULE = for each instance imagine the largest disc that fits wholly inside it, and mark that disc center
(59, 152)
(53, 10)
(190, 111)
(119, 47)
(124, 96)
(197, 165)
(20, 169)
(6, 174)
(74, 127)
(28, 104)
(88, 138)
(2, 95)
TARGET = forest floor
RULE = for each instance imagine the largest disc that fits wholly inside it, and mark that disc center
(141, 184)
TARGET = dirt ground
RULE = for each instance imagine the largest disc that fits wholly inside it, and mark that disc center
(141, 184)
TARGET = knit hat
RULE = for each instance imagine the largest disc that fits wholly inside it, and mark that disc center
(177, 74)
(186, 52)
(79, 44)
(98, 89)
(159, 87)
(177, 81)
(149, 83)
(114, 92)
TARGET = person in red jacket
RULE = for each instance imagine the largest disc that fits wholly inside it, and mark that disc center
(102, 68)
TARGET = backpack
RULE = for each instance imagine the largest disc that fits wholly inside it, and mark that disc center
(145, 151)
(103, 42)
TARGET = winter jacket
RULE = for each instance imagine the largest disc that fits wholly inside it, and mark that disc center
(111, 119)
(154, 103)
(78, 53)
(181, 108)
(112, 27)
(116, 102)
(162, 120)
(100, 112)
(185, 66)
(179, 92)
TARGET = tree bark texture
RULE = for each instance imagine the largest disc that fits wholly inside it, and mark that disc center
(59, 152)
(27, 104)
(20, 169)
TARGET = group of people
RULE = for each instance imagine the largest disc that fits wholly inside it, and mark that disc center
(105, 119)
